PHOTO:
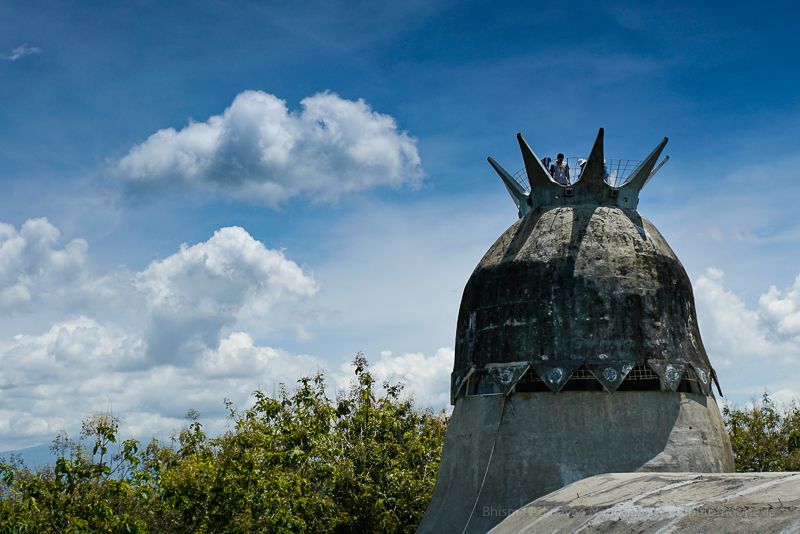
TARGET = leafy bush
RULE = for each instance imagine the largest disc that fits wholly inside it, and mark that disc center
(302, 461)
(299, 462)
(763, 437)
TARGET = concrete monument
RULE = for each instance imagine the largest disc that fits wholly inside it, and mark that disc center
(577, 353)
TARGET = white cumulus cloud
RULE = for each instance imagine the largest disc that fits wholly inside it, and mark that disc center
(754, 348)
(785, 398)
(238, 356)
(782, 309)
(258, 150)
(193, 295)
(426, 378)
(35, 266)
(48, 379)
(735, 333)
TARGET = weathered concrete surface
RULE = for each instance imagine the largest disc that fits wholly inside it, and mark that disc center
(666, 502)
(539, 442)
(581, 280)
(575, 285)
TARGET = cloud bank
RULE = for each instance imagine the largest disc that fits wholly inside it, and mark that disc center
(754, 349)
(186, 332)
(258, 150)
(181, 343)
(50, 381)
(199, 326)
(740, 334)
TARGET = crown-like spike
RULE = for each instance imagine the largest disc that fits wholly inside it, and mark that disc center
(594, 172)
(518, 194)
(538, 176)
(592, 182)
(643, 171)
(589, 188)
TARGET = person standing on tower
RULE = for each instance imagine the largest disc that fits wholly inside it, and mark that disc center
(546, 162)
(560, 170)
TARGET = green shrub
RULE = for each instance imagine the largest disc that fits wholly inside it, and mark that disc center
(764, 437)
(299, 462)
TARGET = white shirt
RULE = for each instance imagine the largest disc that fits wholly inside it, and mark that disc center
(560, 174)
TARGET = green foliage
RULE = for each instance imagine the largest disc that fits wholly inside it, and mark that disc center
(299, 462)
(763, 437)
(82, 492)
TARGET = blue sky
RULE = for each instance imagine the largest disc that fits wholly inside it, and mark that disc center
(357, 241)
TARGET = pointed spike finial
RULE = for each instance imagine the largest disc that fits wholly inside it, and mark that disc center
(594, 171)
(518, 194)
(642, 173)
(591, 186)
(538, 176)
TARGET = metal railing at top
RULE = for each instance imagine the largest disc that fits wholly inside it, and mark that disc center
(617, 171)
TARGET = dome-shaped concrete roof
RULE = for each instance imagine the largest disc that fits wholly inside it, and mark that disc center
(581, 281)
(581, 285)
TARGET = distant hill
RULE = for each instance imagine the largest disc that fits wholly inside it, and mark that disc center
(34, 457)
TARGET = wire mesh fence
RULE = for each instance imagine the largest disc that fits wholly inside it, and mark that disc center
(617, 171)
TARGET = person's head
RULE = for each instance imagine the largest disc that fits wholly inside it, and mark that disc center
(560, 158)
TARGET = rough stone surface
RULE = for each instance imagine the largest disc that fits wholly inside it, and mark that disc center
(666, 502)
(541, 441)
(567, 286)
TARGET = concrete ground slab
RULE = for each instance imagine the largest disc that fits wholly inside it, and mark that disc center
(665, 502)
